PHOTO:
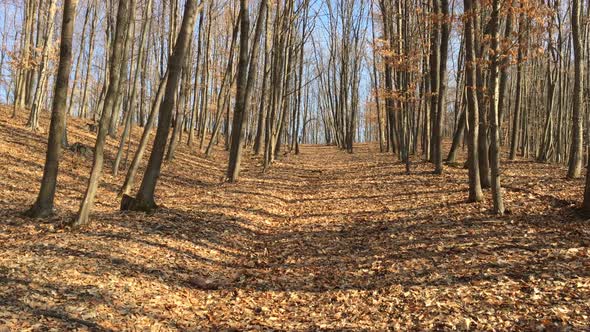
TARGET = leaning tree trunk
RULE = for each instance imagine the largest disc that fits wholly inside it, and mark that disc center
(116, 58)
(144, 201)
(132, 171)
(43, 206)
(79, 60)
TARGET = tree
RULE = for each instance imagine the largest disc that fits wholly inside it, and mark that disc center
(247, 70)
(444, 25)
(494, 110)
(144, 200)
(42, 76)
(145, 30)
(24, 75)
(83, 107)
(435, 67)
(442, 85)
(123, 15)
(43, 206)
(475, 192)
(134, 167)
(519, 79)
(223, 96)
(575, 161)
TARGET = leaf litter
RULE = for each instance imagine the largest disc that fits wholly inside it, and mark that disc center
(323, 241)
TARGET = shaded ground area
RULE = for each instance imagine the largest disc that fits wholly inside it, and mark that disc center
(323, 241)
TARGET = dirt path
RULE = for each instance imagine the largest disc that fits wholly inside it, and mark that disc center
(361, 245)
(323, 241)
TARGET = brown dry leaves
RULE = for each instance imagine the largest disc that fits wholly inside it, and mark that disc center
(325, 240)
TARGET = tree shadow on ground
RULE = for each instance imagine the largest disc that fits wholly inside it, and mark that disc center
(306, 227)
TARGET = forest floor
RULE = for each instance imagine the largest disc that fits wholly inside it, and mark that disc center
(323, 241)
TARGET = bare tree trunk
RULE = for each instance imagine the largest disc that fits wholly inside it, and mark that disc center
(24, 73)
(122, 88)
(457, 136)
(247, 70)
(115, 72)
(78, 61)
(504, 75)
(483, 142)
(389, 103)
(43, 206)
(576, 158)
(145, 30)
(225, 85)
(192, 120)
(144, 201)
(132, 171)
(434, 67)
(43, 74)
(547, 137)
(442, 83)
(517, 107)
(297, 120)
(83, 106)
(493, 114)
(475, 192)
(204, 113)
(179, 103)
(265, 98)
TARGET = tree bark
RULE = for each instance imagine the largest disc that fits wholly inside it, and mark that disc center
(475, 192)
(247, 72)
(518, 100)
(442, 83)
(43, 206)
(43, 74)
(494, 110)
(109, 101)
(144, 201)
(576, 158)
(145, 30)
(83, 106)
(78, 61)
(132, 171)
